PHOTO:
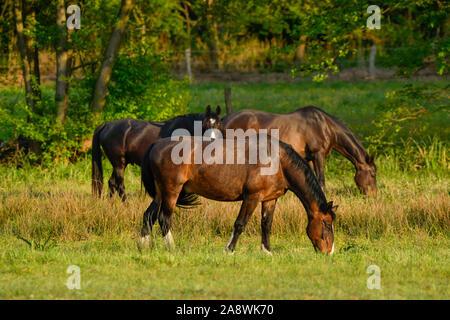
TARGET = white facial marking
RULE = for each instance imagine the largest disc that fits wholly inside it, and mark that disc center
(332, 248)
(212, 121)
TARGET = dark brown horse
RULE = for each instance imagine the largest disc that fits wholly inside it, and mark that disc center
(125, 141)
(313, 134)
(171, 182)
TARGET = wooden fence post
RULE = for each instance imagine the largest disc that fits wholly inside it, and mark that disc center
(228, 100)
(373, 51)
(188, 64)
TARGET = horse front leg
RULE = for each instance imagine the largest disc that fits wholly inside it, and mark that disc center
(267, 210)
(247, 208)
(319, 160)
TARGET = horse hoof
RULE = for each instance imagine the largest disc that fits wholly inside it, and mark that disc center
(265, 251)
(228, 251)
(168, 240)
(143, 243)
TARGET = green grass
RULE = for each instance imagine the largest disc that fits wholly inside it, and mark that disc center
(353, 102)
(405, 230)
(411, 268)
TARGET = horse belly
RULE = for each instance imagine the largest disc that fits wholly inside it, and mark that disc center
(218, 182)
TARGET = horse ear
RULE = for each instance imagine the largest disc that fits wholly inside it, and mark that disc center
(371, 159)
(208, 110)
(218, 110)
(330, 207)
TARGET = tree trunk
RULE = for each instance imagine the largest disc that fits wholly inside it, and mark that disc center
(188, 64)
(300, 52)
(18, 13)
(104, 76)
(32, 55)
(229, 107)
(188, 21)
(62, 59)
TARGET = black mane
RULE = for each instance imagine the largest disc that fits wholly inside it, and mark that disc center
(185, 121)
(310, 177)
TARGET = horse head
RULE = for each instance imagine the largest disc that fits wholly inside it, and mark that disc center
(211, 122)
(365, 177)
(320, 228)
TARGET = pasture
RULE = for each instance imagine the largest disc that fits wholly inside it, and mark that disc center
(49, 221)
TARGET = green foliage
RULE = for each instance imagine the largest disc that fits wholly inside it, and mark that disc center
(38, 244)
(442, 53)
(57, 142)
(142, 88)
(405, 112)
(407, 59)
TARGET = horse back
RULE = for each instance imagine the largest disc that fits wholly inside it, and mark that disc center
(127, 139)
(305, 129)
(217, 181)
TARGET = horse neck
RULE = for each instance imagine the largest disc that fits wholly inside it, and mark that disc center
(349, 146)
(304, 186)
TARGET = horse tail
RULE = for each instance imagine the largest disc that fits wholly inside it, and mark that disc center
(97, 170)
(147, 177)
(185, 199)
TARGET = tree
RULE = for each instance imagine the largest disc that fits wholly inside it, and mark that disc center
(62, 64)
(101, 86)
(22, 45)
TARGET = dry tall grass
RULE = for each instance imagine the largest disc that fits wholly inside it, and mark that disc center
(401, 207)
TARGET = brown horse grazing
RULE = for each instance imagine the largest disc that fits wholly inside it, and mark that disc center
(125, 141)
(172, 184)
(313, 134)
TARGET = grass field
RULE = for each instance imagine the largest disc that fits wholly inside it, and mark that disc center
(404, 231)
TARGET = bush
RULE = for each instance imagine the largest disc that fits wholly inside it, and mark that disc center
(403, 126)
(51, 140)
(140, 87)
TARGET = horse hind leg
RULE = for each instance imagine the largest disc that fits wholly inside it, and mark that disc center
(165, 217)
(150, 216)
(116, 182)
(112, 184)
(120, 183)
